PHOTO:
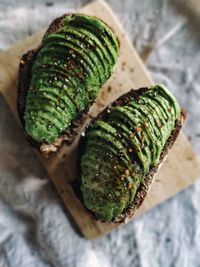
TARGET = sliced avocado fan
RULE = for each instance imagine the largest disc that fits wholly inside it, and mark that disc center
(121, 146)
(71, 66)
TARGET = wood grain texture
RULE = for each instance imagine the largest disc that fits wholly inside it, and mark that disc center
(180, 169)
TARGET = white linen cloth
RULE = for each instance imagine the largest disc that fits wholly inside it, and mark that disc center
(35, 230)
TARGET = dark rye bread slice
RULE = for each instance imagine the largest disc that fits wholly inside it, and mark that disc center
(145, 185)
(24, 80)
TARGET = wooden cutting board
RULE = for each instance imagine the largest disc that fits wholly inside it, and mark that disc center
(180, 169)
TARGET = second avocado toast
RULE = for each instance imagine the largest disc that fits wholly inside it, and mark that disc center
(122, 149)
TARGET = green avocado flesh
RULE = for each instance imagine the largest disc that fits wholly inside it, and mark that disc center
(121, 147)
(70, 68)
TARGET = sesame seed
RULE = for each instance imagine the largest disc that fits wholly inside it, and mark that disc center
(130, 186)
(127, 172)
(49, 126)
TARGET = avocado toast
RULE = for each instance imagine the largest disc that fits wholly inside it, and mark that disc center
(122, 149)
(60, 79)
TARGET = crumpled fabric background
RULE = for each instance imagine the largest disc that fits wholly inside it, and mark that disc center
(35, 230)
